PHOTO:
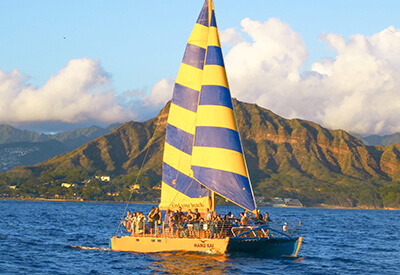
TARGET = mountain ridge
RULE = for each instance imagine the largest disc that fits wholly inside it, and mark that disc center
(24, 142)
(285, 157)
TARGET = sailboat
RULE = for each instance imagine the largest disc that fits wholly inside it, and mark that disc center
(203, 156)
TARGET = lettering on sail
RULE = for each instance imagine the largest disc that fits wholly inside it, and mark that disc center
(187, 205)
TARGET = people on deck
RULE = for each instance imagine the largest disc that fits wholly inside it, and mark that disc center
(192, 225)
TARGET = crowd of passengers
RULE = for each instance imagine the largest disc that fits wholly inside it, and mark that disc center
(189, 224)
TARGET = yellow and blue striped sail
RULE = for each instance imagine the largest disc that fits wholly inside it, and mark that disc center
(217, 158)
(203, 147)
(179, 188)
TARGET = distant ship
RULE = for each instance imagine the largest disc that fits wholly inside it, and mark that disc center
(203, 156)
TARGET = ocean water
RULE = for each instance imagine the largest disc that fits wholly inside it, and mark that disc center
(42, 237)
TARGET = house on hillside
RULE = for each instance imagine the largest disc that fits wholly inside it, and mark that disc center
(69, 185)
(66, 185)
(103, 178)
(135, 188)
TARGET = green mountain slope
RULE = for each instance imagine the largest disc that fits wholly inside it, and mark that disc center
(291, 158)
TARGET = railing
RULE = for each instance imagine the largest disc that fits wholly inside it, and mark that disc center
(220, 229)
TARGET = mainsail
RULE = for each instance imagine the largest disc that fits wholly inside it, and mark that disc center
(203, 152)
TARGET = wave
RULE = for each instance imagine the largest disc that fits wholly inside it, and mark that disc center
(81, 247)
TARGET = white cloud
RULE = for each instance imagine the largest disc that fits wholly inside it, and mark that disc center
(230, 37)
(160, 93)
(79, 92)
(357, 91)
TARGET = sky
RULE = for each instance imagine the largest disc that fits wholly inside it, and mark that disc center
(72, 64)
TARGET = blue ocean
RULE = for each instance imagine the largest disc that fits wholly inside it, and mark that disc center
(46, 237)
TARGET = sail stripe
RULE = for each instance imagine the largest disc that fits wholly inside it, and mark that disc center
(194, 56)
(213, 22)
(199, 36)
(214, 56)
(213, 39)
(215, 95)
(221, 138)
(208, 114)
(219, 158)
(180, 139)
(215, 75)
(185, 97)
(177, 159)
(203, 16)
(184, 184)
(182, 118)
(239, 189)
(190, 77)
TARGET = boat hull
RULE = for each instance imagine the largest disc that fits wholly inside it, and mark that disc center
(163, 244)
(261, 247)
(265, 247)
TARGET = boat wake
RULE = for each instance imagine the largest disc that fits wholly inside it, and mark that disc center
(81, 247)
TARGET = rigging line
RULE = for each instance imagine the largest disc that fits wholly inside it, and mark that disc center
(137, 178)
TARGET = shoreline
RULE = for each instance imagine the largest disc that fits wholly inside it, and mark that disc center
(320, 206)
(67, 200)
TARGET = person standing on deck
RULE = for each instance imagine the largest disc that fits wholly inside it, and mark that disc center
(244, 221)
(267, 218)
(196, 222)
(207, 223)
(189, 222)
(127, 221)
(208, 215)
(216, 219)
(133, 223)
(166, 222)
(141, 222)
(258, 219)
(150, 218)
(179, 219)
(157, 220)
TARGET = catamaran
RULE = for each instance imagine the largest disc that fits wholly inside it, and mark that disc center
(203, 156)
